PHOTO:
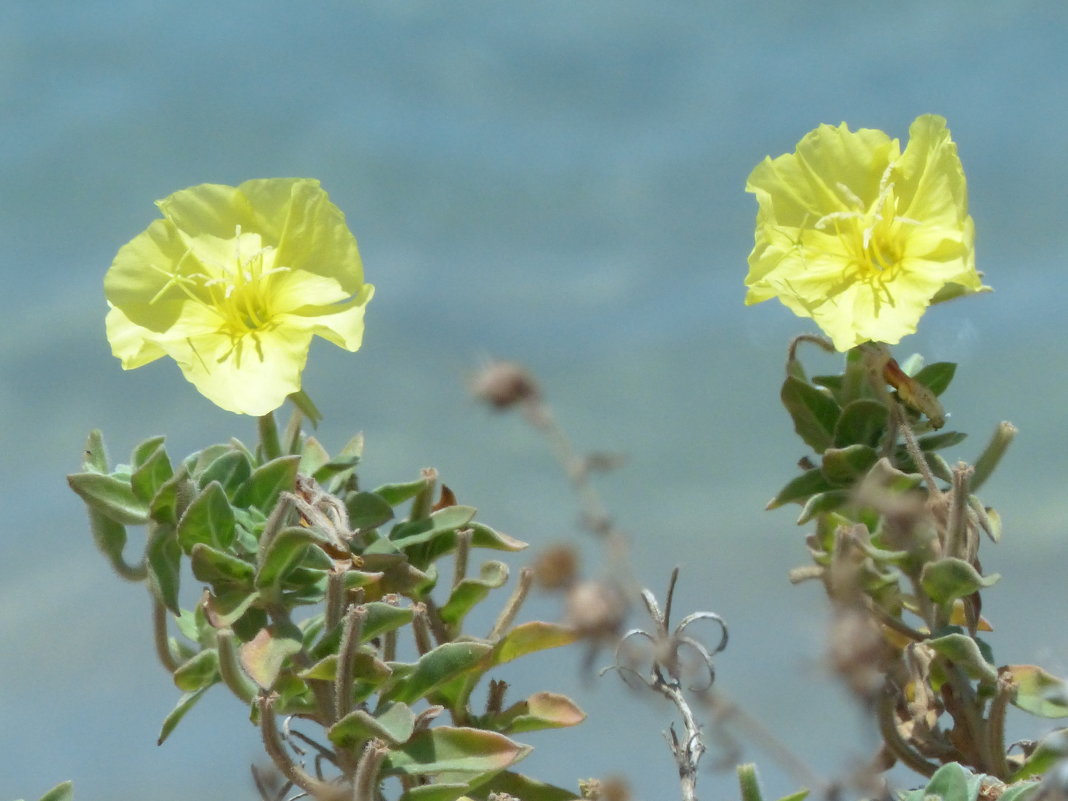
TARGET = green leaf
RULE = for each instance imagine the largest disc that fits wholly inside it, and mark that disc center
(200, 671)
(518, 786)
(367, 510)
(151, 470)
(434, 668)
(964, 651)
(215, 566)
(224, 608)
(163, 559)
(1021, 791)
(451, 749)
(1050, 750)
(1039, 692)
(396, 494)
(312, 456)
(953, 783)
(482, 536)
(846, 465)
(800, 488)
(937, 377)
(822, 503)
(945, 439)
(109, 536)
(947, 579)
(208, 519)
(527, 638)
(283, 553)
(542, 710)
(111, 496)
(264, 656)
(267, 481)
(334, 473)
(95, 456)
(439, 791)
(61, 792)
(417, 532)
(863, 422)
(470, 591)
(814, 413)
(394, 723)
(185, 703)
(231, 469)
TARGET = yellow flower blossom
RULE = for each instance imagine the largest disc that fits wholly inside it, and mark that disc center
(233, 283)
(860, 236)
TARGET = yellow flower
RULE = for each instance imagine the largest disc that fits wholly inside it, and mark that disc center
(860, 236)
(233, 283)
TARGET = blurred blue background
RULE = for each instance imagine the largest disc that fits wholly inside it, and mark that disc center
(558, 183)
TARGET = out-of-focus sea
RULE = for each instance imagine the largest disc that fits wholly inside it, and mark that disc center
(555, 182)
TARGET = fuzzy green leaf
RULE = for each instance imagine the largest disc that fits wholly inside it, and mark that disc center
(518, 786)
(470, 591)
(265, 655)
(937, 377)
(185, 703)
(863, 422)
(542, 710)
(200, 671)
(443, 521)
(846, 465)
(151, 472)
(208, 519)
(530, 637)
(953, 782)
(61, 792)
(283, 553)
(163, 559)
(439, 791)
(1051, 749)
(218, 567)
(801, 488)
(396, 494)
(394, 723)
(822, 503)
(451, 749)
(964, 651)
(945, 439)
(814, 413)
(947, 579)
(111, 496)
(231, 469)
(1039, 692)
(367, 510)
(267, 481)
(1020, 791)
(434, 668)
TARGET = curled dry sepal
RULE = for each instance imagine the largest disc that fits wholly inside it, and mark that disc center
(896, 546)
(309, 585)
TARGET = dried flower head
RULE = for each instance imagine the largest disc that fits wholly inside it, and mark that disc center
(504, 384)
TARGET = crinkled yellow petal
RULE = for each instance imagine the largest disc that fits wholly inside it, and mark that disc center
(860, 236)
(130, 343)
(341, 324)
(252, 375)
(233, 283)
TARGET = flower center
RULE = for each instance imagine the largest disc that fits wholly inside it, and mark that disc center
(241, 290)
(873, 237)
(235, 281)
